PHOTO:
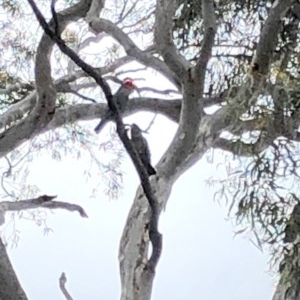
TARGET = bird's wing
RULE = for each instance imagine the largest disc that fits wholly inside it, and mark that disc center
(103, 121)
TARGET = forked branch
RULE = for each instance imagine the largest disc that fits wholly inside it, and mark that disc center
(155, 236)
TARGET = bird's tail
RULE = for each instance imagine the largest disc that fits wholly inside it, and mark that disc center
(150, 170)
(100, 126)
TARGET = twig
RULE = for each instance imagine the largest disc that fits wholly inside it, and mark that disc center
(82, 96)
(54, 15)
(62, 285)
(164, 92)
(7, 174)
(132, 71)
(150, 124)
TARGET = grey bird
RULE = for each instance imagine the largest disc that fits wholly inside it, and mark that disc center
(142, 148)
(121, 98)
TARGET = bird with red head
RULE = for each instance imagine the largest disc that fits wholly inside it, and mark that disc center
(121, 98)
(128, 83)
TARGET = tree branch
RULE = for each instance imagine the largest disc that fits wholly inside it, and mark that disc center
(70, 53)
(155, 236)
(99, 25)
(62, 285)
(18, 110)
(210, 27)
(68, 114)
(42, 201)
(85, 112)
(269, 37)
(120, 62)
(192, 105)
(95, 9)
(45, 107)
(165, 10)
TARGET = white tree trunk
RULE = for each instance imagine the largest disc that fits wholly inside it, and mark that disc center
(10, 288)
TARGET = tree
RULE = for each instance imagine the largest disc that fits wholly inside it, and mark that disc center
(239, 58)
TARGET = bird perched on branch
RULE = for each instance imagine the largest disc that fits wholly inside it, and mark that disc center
(142, 148)
(121, 98)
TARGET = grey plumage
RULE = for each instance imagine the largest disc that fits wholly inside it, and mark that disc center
(141, 146)
(121, 98)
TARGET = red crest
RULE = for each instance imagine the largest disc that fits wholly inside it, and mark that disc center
(128, 83)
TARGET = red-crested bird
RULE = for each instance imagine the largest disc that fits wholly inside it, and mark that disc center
(142, 148)
(121, 98)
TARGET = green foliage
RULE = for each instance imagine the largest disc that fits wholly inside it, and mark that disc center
(15, 90)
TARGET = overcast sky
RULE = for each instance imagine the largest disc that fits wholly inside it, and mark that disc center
(201, 258)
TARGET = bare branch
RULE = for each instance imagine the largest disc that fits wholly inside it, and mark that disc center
(193, 85)
(92, 39)
(99, 25)
(82, 96)
(72, 54)
(66, 206)
(69, 114)
(101, 70)
(140, 21)
(95, 9)
(45, 108)
(150, 124)
(168, 108)
(210, 28)
(165, 10)
(20, 109)
(162, 92)
(85, 112)
(54, 16)
(135, 70)
(155, 236)
(42, 201)
(62, 285)
(123, 15)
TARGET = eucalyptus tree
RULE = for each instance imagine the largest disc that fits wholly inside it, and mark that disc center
(233, 66)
